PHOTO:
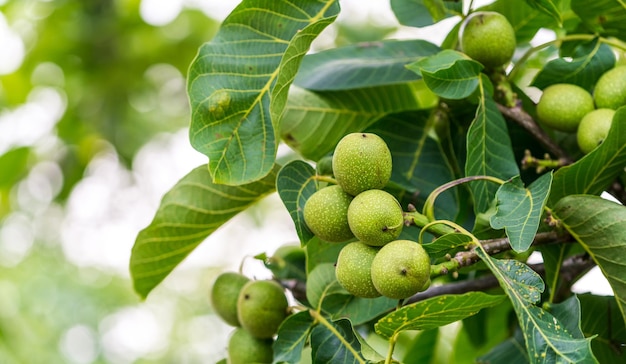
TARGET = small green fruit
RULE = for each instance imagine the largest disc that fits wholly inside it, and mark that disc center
(224, 296)
(401, 269)
(326, 214)
(375, 217)
(361, 162)
(261, 308)
(244, 348)
(610, 91)
(562, 106)
(324, 166)
(354, 269)
(594, 128)
(488, 38)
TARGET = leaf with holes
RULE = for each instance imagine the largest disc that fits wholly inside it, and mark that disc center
(238, 83)
(434, 312)
(519, 210)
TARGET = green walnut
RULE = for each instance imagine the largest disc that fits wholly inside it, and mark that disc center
(361, 162)
(610, 91)
(354, 269)
(488, 38)
(593, 129)
(401, 269)
(375, 217)
(224, 296)
(244, 348)
(326, 214)
(261, 308)
(562, 106)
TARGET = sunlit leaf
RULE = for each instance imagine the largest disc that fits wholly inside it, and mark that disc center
(489, 151)
(292, 336)
(362, 65)
(434, 312)
(547, 340)
(593, 173)
(590, 61)
(519, 210)
(314, 123)
(192, 210)
(449, 73)
(599, 226)
(295, 184)
(238, 83)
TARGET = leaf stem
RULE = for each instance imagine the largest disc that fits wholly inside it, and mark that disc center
(429, 205)
(392, 346)
(322, 320)
(420, 220)
(325, 179)
(456, 228)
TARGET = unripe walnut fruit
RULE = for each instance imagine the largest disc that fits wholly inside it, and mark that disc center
(375, 217)
(224, 296)
(610, 91)
(401, 269)
(261, 308)
(488, 38)
(243, 348)
(594, 128)
(353, 270)
(361, 161)
(326, 214)
(562, 106)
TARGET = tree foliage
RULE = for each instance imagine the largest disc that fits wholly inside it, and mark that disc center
(482, 182)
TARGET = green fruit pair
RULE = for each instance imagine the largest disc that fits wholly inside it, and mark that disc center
(398, 270)
(488, 38)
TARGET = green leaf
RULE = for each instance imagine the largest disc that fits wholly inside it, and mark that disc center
(362, 65)
(192, 210)
(434, 312)
(422, 349)
(419, 162)
(593, 173)
(590, 61)
(292, 336)
(605, 17)
(547, 340)
(337, 344)
(510, 351)
(319, 252)
(421, 13)
(357, 309)
(600, 316)
(519, 210)
(321, 283)
(599, 226)
(553, 256)
(549, 7)
(295, 184)
(446, 243)
(449, 74)
(314, 123)
(568, 312)
(238, 83)
(489, 151)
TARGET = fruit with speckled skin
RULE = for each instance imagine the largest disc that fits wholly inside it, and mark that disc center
(261, 308)
(594, 128)
(375, 217)
(361, 162)
(401, 269)
(562, 106)
(353, 269)
(488, 38)
(326, 214)
(224, 295)
(610, 91)
(244, 348)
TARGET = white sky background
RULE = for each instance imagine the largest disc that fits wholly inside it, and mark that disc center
(111, 204)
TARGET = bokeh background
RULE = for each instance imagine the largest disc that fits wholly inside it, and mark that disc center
(93, 131)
